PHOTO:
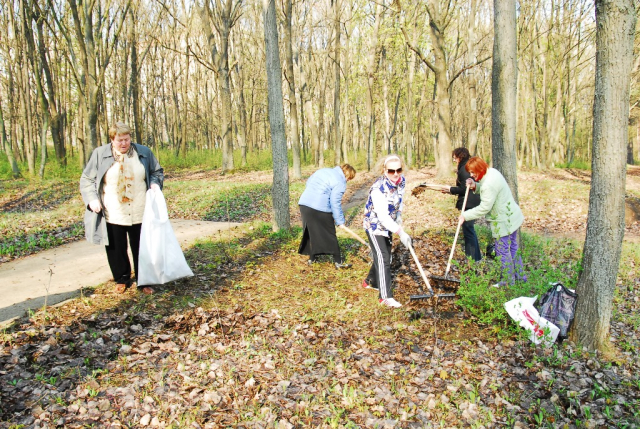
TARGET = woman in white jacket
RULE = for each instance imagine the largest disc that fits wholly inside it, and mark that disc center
(382, 217)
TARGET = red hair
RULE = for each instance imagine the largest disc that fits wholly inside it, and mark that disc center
(478, 166)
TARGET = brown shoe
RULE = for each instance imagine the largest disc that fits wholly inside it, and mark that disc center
(147, 290)
(121, 287)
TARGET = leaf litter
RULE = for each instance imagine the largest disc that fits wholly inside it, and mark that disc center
(266, 341)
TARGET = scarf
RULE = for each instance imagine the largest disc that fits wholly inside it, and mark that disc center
(125, 173)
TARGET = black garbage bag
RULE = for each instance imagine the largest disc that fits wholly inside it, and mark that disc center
(558, 305)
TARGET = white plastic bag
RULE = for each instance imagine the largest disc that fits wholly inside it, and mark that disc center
(160, 259)
(541, 331)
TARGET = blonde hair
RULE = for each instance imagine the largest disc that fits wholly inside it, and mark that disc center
(119, 129)
(349, 171)
(381, 165)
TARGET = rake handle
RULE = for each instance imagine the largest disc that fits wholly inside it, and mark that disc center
(356, 236)
(455, 239)
(424, 277)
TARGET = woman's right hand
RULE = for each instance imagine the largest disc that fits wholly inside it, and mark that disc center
(95, 206)
(471, 184)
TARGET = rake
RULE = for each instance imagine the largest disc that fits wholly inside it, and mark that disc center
(431, 294)
(445, 281)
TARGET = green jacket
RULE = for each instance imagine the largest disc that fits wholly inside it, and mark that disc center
(95, 228)
(496, 204)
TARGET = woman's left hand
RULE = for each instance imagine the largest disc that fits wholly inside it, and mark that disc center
(460, 219)
(155, 187)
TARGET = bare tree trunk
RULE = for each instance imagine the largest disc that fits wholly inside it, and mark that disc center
(280, 188)
(308, 108)
(371, 69)
(135, 81)
(337, 140)
(504, 89)
(409, 107)
(444, 148)
(291, 82)
(15, 170)
(43, 145)
(222, 17)
(242, 123)
(615, 30)
(472, 81)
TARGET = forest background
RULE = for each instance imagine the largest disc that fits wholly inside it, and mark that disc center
(359, 79)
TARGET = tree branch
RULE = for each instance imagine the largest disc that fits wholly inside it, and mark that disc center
(416, 50)
(464, 69)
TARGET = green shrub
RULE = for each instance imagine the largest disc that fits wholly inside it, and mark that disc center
(545, 261)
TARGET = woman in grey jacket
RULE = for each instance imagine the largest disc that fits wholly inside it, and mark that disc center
(113, 186)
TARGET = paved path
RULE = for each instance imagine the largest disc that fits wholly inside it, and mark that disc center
(23, 283)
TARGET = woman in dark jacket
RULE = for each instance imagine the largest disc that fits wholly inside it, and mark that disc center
(471, 246)
(113, 186)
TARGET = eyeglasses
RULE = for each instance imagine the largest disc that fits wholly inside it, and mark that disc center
(392, 171)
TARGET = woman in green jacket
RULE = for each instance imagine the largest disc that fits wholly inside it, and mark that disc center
(502, 212)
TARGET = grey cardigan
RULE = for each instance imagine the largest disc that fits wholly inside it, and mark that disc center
(91, 183)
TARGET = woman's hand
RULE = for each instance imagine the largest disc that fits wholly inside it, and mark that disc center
(445, 191)
(471, 184)
(461, 219)
(95, 206)
(155, 187)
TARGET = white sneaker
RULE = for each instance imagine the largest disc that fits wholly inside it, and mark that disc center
(390, 302)
(497, 285)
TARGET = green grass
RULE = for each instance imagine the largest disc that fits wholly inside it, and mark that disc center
(580, 164)
(545, 260)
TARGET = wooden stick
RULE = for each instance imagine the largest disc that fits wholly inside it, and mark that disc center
(424, 277)
(356, 236)
(453, 248)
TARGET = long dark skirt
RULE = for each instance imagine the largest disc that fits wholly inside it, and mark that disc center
(318, 234)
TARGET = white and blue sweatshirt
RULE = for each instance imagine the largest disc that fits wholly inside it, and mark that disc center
(383, 206)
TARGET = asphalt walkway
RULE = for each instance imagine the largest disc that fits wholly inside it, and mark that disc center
(65, 270)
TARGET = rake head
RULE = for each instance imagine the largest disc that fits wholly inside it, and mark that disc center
(431, 295)
(446, 282)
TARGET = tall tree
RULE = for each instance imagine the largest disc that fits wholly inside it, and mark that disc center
(337, 140)
(504, 80)
(15, 170)
(291, 83)
(280, 188)
(371, 71)
(440, 15)
(222, 16)
(615, 31)
(90, 45)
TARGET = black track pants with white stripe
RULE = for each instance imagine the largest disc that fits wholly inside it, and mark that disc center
(380, 273)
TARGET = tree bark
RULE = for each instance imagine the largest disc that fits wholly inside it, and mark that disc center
(15, 170)
(472, 81)
(504, 89)
(615, 31)
(337, 140)
(222, 16)
(135, 80)
(280, 188)
(291, 83)
(305, 93)
(371, 69)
